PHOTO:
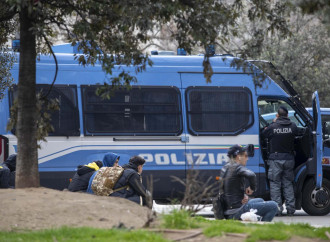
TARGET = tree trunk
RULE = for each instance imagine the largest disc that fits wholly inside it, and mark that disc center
(27, 174)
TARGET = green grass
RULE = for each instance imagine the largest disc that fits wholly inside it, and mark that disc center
(256, 232)
(180, 219)
(82, 234)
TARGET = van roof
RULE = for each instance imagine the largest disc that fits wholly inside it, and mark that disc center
(194, 63)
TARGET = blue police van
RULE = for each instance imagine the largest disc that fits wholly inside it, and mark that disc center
(174, 120)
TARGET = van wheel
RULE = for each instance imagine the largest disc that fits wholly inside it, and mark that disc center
(316, 202)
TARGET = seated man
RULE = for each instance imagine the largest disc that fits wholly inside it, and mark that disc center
(7, 172)
(132, 180)
(80, 180)
(236, 201)
(109, 160)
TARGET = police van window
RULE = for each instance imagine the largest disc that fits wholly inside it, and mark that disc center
(219, 110)
(139, 111)
(268, 110)
(65, 121)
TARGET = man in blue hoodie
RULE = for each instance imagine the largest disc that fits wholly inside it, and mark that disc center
(109, 160)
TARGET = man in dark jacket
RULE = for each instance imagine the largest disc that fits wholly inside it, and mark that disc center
(7, 172)
(281, 135)
(80, 180)
(236, 190)
(131, 180)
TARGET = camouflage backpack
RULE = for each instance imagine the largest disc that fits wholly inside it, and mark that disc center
(105, 180)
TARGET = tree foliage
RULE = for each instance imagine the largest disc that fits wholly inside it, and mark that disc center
(7, 58)
(302, 56)
(6, 63)
(318, 8)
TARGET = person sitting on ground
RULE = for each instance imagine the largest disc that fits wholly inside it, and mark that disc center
(7, 172)
(80, 180)
(109, 160)
(235, 192)
(131, 178)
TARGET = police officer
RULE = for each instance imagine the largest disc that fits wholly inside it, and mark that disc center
(281, 134)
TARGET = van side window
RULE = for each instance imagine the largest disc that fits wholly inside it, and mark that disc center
(139, 111)
(219, 110)
(65, 121)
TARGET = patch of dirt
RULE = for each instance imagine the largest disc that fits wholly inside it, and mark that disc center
(43, 208)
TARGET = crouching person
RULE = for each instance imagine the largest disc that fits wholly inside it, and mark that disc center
(109, 160)
(132, 181)
(235, 192)
(7, 172)
(80, 180)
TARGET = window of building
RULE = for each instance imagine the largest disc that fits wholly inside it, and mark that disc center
(218, 110)
(138, 111)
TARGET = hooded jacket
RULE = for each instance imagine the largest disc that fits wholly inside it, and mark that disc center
(281, 135)
(11, 162)
(109, 160)
(4, 176)
(135, 190)
(7, 172)
(81, 179)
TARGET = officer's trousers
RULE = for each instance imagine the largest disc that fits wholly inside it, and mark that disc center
(280, 175)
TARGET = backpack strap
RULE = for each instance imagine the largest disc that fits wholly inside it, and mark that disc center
(120, 188)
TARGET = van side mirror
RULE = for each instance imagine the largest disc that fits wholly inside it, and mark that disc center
(250, 150)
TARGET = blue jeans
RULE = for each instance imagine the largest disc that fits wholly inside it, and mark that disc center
(265, 209)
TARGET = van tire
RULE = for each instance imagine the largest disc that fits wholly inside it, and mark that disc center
(309, 199)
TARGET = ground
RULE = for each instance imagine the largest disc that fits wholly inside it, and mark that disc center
(43, 208)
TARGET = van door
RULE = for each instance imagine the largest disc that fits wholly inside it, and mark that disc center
(218, 115)
(317, 137)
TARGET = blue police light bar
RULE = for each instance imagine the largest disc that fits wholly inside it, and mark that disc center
(181, 51)
(210, 50)
(15, 44)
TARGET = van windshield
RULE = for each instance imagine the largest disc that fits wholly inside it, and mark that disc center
(268, 110)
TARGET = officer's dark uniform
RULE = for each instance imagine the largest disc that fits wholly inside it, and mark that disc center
(281, 135)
